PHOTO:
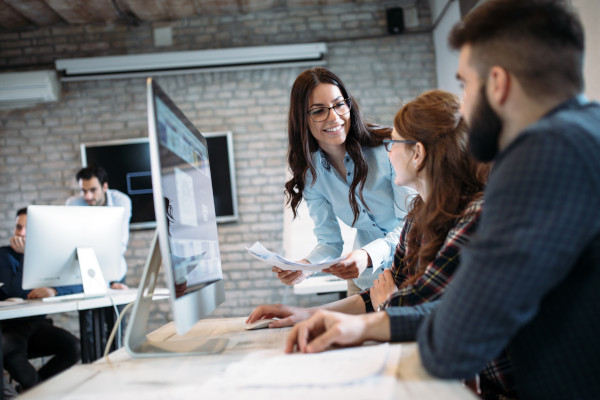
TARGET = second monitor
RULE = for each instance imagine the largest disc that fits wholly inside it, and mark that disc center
(56, 233)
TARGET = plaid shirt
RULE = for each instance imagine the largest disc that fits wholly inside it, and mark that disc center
(438, 273)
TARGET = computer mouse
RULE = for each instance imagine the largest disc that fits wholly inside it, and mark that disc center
(260, 324)
(15, 299)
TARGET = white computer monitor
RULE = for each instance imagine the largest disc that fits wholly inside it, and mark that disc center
(62, 239)
(186, 228)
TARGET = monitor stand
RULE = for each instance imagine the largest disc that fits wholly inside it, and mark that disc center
(137, 341)
(92, 278)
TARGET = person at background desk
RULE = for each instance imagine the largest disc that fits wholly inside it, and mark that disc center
(529, 279)
(93, 182)
(31, 337)
(340, 168)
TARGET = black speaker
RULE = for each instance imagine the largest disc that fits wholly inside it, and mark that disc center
(395, 20)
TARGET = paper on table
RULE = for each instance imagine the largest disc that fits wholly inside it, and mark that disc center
(270, 368)
(270, 258)
(356, 373)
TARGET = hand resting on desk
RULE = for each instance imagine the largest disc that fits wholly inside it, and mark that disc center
(118, 286)
(287, 315)
(328, 328)
(40, 293)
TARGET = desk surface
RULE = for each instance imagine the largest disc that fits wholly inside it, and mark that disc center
(30, 308)
(38, 307)
(121, 376)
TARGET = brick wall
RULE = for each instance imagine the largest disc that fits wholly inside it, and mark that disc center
(39, 146)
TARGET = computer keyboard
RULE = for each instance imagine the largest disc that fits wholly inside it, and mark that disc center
(74, 296)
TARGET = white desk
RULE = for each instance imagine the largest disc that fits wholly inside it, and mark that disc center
(34, 307)
(121, 377)
(100, 309)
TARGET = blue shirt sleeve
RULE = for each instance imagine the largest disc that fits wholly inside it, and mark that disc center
(62, 290)
(11, 274)
(327, 229)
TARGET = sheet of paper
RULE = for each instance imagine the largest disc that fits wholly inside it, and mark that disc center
(366, 372)
(342, 366)
(270, 258)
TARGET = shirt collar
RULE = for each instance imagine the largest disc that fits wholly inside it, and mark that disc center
(324, 161)
(575, 101)
(108, 202)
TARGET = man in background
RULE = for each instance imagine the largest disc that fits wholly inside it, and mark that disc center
(93, 182)
(25, 338)
(528, 281)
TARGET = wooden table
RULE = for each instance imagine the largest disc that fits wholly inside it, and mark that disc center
(122, 377)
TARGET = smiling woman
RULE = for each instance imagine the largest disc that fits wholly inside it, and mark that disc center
(340, 169)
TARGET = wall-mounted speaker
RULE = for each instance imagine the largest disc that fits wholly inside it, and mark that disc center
(395, 20)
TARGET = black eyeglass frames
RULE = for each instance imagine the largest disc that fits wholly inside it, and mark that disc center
(319, 114)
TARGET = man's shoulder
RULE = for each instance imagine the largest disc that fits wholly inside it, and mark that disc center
(75, 201)
(572, 132)
(118, 197)
(117, 193)
(8, 255)
(6, 250)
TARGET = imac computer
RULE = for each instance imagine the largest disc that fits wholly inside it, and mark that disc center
(186, 239)
(68, 245)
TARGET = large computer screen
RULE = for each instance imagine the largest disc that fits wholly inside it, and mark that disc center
(186, 226)
(54, 235)
(186, 212)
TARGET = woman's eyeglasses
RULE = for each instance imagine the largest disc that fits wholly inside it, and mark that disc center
(388, 143)
(319, 114)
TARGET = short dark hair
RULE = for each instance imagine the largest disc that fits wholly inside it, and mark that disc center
(540, 42)
(92, 171)
(22, 211)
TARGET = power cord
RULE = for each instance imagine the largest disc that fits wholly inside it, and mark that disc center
(117, 327)
(119, 318)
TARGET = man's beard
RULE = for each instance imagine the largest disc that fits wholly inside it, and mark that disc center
(484, 129)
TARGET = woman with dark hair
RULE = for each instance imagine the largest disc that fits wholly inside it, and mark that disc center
(340, 168)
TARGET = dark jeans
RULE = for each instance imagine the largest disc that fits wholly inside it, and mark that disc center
(31, 338)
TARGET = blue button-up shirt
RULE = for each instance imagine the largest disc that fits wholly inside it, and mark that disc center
(377, 227)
